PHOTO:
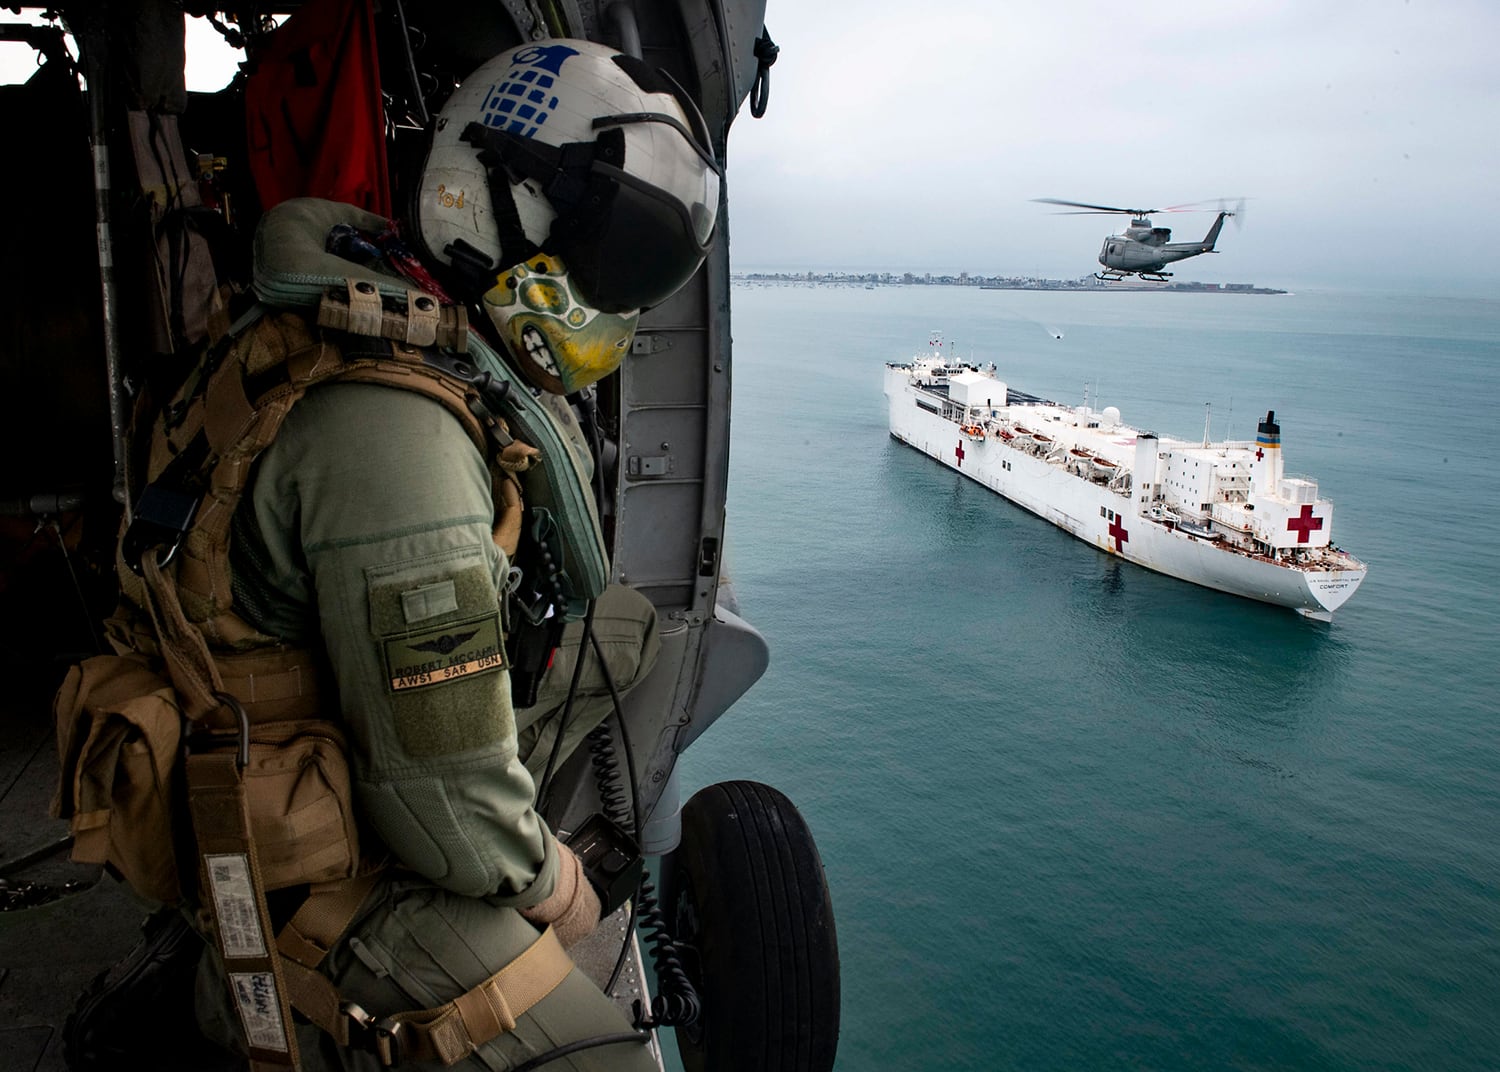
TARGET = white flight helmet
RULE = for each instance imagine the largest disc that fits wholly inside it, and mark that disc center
(570, 187)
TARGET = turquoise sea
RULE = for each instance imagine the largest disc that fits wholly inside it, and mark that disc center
(1076, 815)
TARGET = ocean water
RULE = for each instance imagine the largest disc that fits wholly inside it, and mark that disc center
(1076, 815)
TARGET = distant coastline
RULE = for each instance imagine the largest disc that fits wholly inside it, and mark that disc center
(1086, 284)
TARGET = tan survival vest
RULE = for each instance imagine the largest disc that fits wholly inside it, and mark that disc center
(238, 724)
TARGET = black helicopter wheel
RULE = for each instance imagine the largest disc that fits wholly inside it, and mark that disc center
(751, 906)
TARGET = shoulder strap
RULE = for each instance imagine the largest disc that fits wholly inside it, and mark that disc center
(205, 445)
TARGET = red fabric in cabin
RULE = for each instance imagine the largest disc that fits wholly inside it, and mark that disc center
(314, 119)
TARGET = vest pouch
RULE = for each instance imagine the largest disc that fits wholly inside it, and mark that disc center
(118, 732)
(301, 803)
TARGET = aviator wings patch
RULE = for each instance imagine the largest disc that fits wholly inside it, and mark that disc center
(444, 644)
(452, 651)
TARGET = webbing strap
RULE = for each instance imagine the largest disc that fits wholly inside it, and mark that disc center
(235, 894)
(451, 1032)
(422, 319)
(277, 683)
(322, 919)
(364, 307)
(189, 663)
(447, 1033)
(232, 887)
(424, 322)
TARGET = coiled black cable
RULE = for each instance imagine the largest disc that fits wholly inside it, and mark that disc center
(676, 1002)
(612, 799)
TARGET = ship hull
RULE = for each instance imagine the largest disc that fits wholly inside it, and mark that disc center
(1107, 519)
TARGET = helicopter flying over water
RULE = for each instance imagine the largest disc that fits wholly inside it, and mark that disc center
(1142, 249)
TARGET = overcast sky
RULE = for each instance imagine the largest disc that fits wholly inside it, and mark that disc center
(912, 136)
(1366, 136)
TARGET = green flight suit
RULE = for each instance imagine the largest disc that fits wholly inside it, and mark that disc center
(367, 530)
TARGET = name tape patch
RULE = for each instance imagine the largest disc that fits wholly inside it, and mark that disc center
(445, 653)
(234, 905)
(260, 1010)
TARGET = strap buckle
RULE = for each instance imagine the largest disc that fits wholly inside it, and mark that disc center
(161, 518)
(388, 1040)
(381, 1037)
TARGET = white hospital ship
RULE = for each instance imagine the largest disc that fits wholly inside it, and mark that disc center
(1224, 515)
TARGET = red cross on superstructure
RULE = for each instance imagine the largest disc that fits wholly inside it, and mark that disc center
(1259, 454)
(959, 450)
(1117, 530)
(1304, 524)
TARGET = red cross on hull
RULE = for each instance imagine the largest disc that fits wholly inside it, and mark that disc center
(1304, 525)
(959, 451)
(1117, 530)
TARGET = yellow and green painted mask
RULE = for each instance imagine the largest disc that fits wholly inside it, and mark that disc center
(560, 342)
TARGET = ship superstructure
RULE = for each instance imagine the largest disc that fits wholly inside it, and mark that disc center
(1225, 515)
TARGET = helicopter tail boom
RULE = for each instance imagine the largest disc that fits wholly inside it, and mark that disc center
(1205, 246)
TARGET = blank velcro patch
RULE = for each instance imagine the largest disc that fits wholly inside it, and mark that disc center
(429, 601)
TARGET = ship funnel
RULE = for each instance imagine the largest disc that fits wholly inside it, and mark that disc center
(1145, 478)
(1265, 468)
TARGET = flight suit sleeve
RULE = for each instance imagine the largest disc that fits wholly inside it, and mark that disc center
(378, 498)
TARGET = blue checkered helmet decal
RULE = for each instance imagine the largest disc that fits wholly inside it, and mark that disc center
(523, 99)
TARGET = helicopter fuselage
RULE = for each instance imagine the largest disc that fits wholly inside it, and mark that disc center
(1146, 249)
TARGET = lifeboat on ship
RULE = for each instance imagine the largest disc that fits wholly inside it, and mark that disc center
(1197, 531)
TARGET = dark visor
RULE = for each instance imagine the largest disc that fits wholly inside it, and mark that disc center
(628, 243)
(643, 248)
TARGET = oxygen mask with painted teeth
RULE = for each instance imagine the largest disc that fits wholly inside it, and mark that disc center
(557, 339)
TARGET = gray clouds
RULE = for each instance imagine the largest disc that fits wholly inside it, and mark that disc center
(909, 136)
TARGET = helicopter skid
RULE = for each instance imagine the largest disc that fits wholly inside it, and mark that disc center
(1114, 275)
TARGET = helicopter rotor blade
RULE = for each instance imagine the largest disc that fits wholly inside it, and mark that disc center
(1219, 205)
(1093, 209)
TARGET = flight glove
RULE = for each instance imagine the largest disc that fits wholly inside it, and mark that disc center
(573, 908)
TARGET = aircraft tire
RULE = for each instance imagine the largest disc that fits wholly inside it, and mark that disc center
(751, 903)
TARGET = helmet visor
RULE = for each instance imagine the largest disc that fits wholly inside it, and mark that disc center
(692, 179)
(647, 246)
(659, 222)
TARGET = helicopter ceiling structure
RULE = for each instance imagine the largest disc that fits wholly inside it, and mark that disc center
(1142, 249)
